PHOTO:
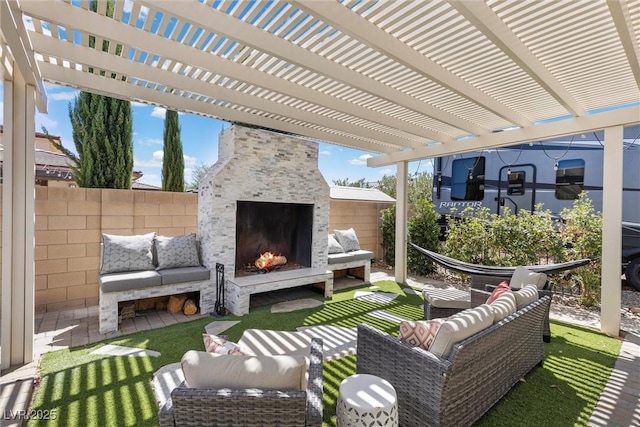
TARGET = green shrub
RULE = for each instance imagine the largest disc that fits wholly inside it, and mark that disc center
(581, 234)
(423, 231)
(388, 231)
(480, 237)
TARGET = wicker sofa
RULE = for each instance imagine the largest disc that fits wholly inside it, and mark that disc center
(249, 407)
(457, 389)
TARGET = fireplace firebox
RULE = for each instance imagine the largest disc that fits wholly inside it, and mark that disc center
(280, 228)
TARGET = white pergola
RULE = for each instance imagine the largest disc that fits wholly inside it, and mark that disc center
(406, 80)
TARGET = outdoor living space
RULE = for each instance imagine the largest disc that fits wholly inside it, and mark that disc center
(224, 304)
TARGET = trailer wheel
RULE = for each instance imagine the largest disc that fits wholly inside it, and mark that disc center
(632, 273)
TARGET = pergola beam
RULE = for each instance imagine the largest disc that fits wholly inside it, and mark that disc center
(119, 89)
(485, 20)
(577, 125)
(219, 22)
(104, 61)
(15, 35)
(348, 22)
(622, 20)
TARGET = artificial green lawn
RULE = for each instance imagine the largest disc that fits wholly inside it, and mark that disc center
(99, 390)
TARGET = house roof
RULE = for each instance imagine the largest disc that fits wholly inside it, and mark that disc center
(406, 80)
(359, 193)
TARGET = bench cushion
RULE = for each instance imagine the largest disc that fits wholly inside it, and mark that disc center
(339, 258)
(116, 282)
(347, 239)
(184, 274)
(126, 253)
(447, 298)
(178, 251)
(361, 255)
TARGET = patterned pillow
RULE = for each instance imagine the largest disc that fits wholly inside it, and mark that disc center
(420, 333)
(502, 288)
(347, 239)
(216, 344)
(334, 246)
(179, 251)
(126, 253)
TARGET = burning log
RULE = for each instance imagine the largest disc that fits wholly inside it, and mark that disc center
(268, 260)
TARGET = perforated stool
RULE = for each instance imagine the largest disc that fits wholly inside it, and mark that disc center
(367, 400)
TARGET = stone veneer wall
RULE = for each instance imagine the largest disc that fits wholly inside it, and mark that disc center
(260, 166)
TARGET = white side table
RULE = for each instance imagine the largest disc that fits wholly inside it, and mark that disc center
(367, 400)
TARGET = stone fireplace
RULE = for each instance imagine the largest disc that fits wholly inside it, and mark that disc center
(265, 193)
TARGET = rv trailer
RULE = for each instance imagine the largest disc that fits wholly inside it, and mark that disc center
(552, 173)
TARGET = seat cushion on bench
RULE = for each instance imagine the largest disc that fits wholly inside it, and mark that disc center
(349, 257)
(361, 255)
(116, 282)
(339, 258)
(184, 274)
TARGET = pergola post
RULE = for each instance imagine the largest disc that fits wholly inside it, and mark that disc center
(18, 222)
(612, 173)
(401, 222)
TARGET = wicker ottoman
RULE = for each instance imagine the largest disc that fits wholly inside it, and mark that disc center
(444, 302)
(367, 400)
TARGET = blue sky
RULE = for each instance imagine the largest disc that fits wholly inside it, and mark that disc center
(200, 142)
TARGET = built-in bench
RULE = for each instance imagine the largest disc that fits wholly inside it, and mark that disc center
(240, 289)
(146, 266)
(345, 254)
(357, 263)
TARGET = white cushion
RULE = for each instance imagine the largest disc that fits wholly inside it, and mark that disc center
(447, 298)
(347, 239)
(525, 296)
(334, 246)
(126, 253)
(460, 327)
(523, 277)
(178, 251)
(210, 370)
(505, 305)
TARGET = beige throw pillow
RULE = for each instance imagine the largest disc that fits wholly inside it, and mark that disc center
(523, 277)
(460, 327)
(211, 370)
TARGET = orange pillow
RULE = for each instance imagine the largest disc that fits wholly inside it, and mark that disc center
(502, 288)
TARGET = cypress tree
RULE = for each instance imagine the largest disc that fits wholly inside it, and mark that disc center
(173, 160)
(102, 133)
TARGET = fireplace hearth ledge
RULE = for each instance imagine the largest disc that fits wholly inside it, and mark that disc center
(240, 289)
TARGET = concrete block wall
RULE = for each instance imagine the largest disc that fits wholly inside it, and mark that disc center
(364, 217)
(69, 226)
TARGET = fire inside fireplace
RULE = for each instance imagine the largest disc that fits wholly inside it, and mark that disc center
(273, 236)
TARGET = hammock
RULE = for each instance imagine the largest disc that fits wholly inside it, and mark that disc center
(487, 270)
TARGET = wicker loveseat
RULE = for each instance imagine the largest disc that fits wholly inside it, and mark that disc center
(251, 406)
(459, 388)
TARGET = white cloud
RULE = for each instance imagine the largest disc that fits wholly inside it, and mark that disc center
(65, 95)
(128, 6)
(388, 172)
(2, 111)
(46, 121)
(361, 160)
(151, 179)
(189, 161)
(325, 153)
(138, 104)
(158, 112)
(154, 162)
